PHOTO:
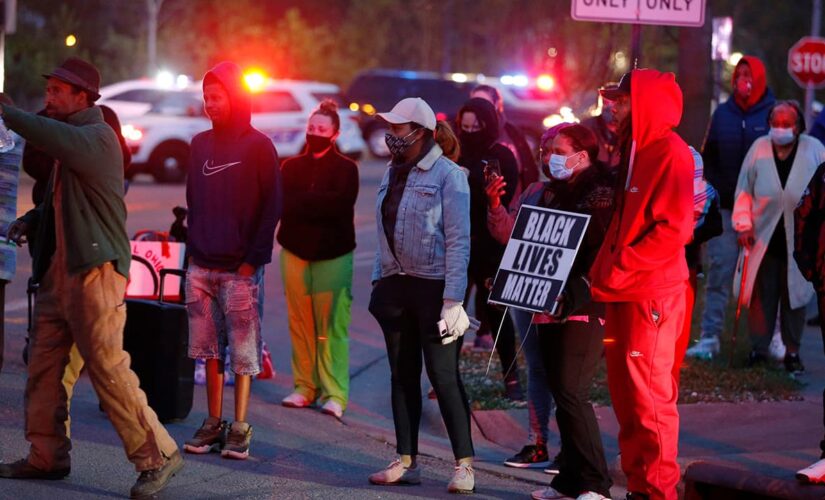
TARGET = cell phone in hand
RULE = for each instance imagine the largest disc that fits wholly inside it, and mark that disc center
(492, 169)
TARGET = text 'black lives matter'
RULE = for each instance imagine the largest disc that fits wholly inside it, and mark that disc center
(538, 258)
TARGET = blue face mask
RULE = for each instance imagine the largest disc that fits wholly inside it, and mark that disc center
(782, 136)
(558, 167)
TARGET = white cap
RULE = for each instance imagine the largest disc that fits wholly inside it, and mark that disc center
(411, 109)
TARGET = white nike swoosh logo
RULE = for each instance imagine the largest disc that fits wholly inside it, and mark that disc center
(214, 169)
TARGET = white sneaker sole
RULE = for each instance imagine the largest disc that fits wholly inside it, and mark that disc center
(400, 482)
(457, 491)
(235, 454)
(202, 450)
(532, 465)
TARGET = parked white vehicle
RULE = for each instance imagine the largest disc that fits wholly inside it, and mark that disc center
(160, 139)
(132, 98)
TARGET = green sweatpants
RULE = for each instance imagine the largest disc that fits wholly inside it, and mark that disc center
(318, 299)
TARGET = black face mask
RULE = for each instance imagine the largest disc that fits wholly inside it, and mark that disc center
(317, 143)
(473, 142)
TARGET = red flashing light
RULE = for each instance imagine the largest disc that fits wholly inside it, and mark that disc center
(440, 116)
(545, 83)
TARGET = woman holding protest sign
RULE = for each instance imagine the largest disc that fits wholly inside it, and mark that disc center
(571, 338)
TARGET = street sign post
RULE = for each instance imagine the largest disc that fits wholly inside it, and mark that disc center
(806, 62)
(689, 13)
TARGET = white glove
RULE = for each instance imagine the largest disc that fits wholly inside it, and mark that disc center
(456, 318)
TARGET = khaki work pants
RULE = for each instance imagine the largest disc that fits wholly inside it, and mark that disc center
(87, 309)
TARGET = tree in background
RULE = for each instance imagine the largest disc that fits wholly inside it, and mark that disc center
(331, 40)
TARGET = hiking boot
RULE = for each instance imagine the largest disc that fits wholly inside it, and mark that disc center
(463, 480)
(395, 474)
(555, 465)
(237, 441)
(295, 400)
(705, 348)
(548, 493)
(793, 364)
(331, 407)
(22, 469)
(152, 481)
(210, 437)
(532, 455)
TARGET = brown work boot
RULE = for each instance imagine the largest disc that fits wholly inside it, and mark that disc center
(152, 481)
(22, 469)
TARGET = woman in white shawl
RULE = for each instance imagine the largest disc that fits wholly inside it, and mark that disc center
(774, 175)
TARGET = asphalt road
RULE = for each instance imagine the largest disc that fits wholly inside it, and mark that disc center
(295, 453)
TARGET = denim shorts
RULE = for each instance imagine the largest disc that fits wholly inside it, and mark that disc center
(224, 310)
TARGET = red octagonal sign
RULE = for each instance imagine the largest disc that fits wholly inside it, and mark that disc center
(806, 62)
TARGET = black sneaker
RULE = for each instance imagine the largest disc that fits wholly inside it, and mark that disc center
(555, 465)
(152, 481)
(793, 364)
(532, 455)
(755, 359)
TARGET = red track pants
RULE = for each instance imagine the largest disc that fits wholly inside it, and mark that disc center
(644, 392)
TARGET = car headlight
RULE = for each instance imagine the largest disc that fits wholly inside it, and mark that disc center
(131, 133)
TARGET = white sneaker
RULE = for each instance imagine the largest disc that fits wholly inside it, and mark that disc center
(814, 473)
(777, 348)
(549, 493)
(707, 348)
(463, 480)
(332, 407)
(591, 495)
(295, 400)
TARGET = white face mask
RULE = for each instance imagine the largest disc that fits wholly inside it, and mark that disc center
(558, 167)
(782, 136)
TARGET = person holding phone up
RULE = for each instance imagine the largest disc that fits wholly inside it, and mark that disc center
(571, 339)
(483, 155)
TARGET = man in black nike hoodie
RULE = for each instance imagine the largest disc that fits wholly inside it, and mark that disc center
(234, 198)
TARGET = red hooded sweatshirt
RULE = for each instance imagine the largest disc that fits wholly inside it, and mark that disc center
(643, 255)
(759, 84)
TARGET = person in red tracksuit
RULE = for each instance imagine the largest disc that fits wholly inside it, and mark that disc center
(641, 274)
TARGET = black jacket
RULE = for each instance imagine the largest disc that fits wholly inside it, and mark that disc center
(319, 206)
(809, 231)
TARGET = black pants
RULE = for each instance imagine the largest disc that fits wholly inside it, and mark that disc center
(770, 296)
(491, 316)
(408, 309)
(572, 351)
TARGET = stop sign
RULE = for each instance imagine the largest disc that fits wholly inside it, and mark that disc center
(806, 62)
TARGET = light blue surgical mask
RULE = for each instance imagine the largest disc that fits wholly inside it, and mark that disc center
(558, 167)
(782, 136)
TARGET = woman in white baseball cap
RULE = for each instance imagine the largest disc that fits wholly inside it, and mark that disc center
(419, 280)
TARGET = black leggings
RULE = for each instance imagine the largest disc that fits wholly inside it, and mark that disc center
(571, 353)
(408, 309)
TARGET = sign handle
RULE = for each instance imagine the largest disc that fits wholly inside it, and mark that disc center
(495, 341)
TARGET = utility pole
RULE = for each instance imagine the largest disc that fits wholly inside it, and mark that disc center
(816, 16)
(153, 8)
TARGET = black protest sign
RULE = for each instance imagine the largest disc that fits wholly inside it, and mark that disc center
(538, 258)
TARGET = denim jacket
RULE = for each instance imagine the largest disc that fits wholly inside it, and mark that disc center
(432, 232)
